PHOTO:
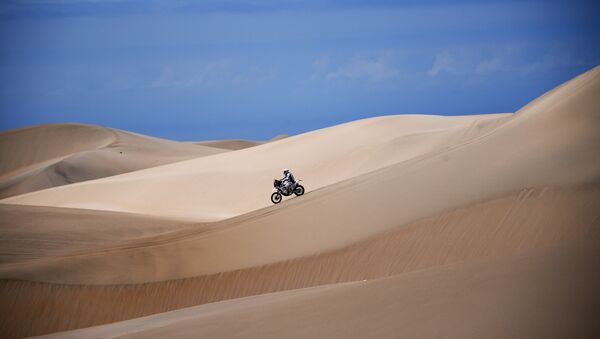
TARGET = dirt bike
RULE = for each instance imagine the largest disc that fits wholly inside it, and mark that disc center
(280, 190)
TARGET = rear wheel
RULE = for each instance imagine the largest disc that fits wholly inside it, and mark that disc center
(276, 198)
(299, 190)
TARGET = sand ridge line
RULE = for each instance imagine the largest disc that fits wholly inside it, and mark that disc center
(86, 152)
(406, 125)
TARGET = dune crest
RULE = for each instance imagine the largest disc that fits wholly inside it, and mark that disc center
(234, 183)
(45, 156)
(229, 144)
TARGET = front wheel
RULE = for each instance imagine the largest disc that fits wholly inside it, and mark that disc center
(276, 198)
(299, 190)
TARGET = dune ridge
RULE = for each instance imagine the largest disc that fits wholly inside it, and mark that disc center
(68, 232)
(229, 144)
(45, 156)
(234, 183)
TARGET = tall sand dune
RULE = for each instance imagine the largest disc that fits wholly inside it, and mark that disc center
(229, 144)
(525, 223)
(234, 183)
(498, 298)
(39, 157)
(550, 141)
(462, 226)
(32, 233)
(505, 160)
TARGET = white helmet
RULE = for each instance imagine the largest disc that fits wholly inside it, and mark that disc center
(285, 171)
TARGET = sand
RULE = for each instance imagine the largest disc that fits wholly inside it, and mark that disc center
(44, 156)
(234, 183)
(229, 144)
(469, 226)
(492, 299)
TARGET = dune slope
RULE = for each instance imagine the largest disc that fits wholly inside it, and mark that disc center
(492, 298)
(550, 141)
(31, 233)
(39, 157)
(234, 183)
(529, 222)
(229, 144)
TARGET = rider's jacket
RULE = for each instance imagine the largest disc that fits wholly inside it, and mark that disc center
(289, 176)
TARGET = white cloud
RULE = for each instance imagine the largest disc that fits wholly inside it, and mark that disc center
(321, 63)
(474, 62)
(254, 76)
(186, 75)
(552, 59)
(320, 67)
(443, 62)
(471, 62)
(489, 66)
(373, 69)
(212, 74)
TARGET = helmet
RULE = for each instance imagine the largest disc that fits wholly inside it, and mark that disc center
(285, 171)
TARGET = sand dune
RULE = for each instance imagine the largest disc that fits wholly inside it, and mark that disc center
(491, 298)
(32, 233)
(511, 157)
(28, 146)
(39, 157)
(484, 224)
(234, 183)
(503, 153)
(231, 144)
(526, 223)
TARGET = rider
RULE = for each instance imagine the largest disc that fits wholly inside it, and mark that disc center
(288, 180)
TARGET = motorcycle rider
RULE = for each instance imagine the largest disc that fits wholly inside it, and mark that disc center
(288, 180)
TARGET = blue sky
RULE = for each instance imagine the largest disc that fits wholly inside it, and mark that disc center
(196, 70)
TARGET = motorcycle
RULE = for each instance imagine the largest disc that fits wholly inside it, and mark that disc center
(280, 190)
